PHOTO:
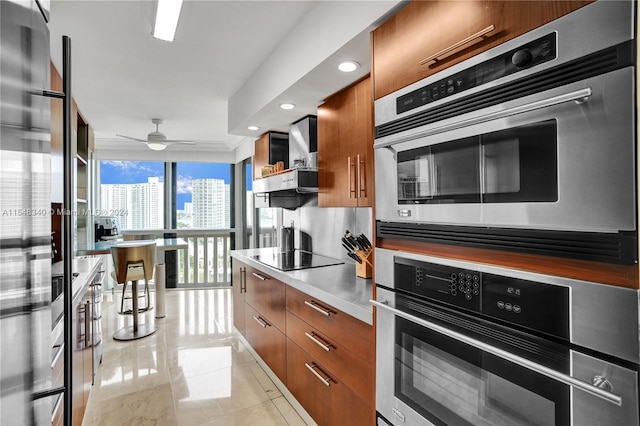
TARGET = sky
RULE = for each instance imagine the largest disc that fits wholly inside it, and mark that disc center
(138, 171)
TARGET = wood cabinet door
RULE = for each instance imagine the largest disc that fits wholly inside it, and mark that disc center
(267, 296)
(363, 145)
(324, 397)
(345, 148)
(350, 332)
(267, 341)
(260, 155)
(353, 371)
(336, 156)
(449, 32)
(238, 286)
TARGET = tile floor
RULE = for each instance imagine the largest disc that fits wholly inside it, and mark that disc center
(193, 371)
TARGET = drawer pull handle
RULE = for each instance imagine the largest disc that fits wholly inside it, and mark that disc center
(260, 277)
(261, 322)
(454, 46)
(317, 308)
(312, 368)
(317, 341)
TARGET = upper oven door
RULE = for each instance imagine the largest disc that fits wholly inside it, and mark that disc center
(561, 159)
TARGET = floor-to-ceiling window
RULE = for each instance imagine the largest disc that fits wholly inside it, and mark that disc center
(132, 191)
(190, 200)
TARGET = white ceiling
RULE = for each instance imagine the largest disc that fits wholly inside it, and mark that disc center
(230, 65)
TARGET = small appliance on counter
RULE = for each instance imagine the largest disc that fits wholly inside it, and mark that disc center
(287, 238)
(106, 228)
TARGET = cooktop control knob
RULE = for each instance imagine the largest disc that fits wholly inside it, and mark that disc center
(521, 58)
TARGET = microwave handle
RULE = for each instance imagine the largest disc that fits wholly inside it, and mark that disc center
(523, 362)
(578, 96)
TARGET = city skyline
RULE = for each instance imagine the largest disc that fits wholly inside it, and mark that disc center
(132, 172)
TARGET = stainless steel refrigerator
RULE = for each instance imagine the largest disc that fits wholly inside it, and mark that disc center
(25, 224)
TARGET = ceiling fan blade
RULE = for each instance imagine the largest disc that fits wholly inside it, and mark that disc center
(182, 141)
(132, 138)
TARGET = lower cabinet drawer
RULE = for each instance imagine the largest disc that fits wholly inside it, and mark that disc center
(353, 371)
(267, 341)
(350, 332)
(325, 398)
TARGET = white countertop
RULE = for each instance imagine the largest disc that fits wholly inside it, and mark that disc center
(335, 285)
(85, 266)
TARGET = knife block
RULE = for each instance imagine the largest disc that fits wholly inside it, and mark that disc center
(364, 269)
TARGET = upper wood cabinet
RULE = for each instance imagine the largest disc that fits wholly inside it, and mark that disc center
(428, 36)
(269, 149)
(345, 148)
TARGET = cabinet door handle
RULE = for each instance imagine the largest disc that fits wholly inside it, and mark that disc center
(87, 324)
(260, 277)
(313, 305)
(438, 55)
(243, 280)
(362, 184)
(351, 188)
(317, 341)
(261, 322)
(312, 368)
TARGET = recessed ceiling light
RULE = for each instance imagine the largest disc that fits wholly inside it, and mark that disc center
(348, 66)
(287, 106)
(253, 127)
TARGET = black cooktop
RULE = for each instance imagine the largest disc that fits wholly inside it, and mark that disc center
(297, 259)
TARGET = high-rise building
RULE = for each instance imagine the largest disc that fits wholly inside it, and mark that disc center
(141, 205)
(210, 203)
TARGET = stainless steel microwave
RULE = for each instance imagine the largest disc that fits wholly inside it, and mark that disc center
(545, 144)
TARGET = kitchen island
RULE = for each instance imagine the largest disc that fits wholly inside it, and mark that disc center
(311, 331)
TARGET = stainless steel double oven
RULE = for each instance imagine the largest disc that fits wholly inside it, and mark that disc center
(463, 343)
(537, 134)
(529, 147)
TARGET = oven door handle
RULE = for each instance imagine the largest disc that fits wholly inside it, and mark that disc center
(523, 362)
(578, 96)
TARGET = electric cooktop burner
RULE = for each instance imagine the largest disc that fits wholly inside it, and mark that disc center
(297, 259)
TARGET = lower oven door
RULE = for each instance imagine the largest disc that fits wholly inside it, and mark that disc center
(428, 377)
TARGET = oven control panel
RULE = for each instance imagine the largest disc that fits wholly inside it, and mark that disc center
(534, 305)
(526, 56)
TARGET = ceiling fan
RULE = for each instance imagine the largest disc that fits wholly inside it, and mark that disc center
(158, 140)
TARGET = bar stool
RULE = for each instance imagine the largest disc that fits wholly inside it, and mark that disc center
(133, 261)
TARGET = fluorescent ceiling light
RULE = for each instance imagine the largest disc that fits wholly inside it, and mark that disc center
(253, 127)
(287, 106)
(167, 15)
(348, 66)
(156, 146)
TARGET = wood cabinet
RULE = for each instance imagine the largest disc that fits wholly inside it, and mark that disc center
(345, 148)
(239, 288)
(330, 360)
(269, 149)
(426, 37)
(82, 141)
(353, 334)
(325, 357)
(82, 353)
(86, 335)
(267, 340)
(323, 395)
(259, 314)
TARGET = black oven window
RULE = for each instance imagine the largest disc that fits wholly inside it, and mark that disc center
(451, 383)
(513, 165)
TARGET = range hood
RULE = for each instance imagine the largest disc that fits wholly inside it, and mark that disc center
(299, 185)
(302, 181)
